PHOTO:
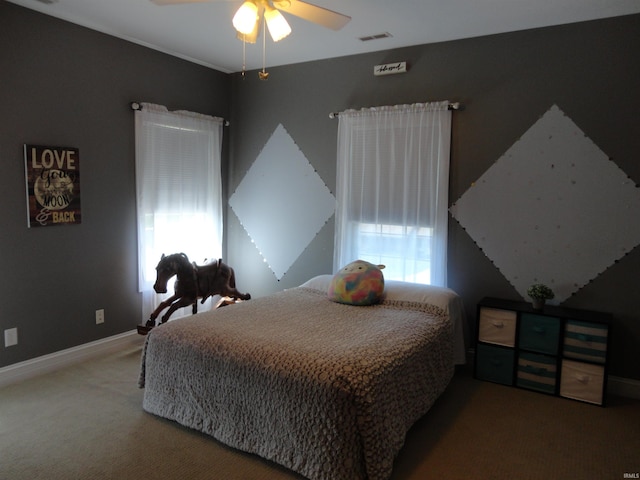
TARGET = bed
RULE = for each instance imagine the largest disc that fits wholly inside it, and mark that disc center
(325, 389)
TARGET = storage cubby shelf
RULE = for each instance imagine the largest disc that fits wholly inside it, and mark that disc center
(558, 351)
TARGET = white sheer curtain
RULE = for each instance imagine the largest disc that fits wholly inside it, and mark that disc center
(178, 191)
(392, 190)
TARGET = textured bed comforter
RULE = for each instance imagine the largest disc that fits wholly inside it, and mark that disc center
(325, 389)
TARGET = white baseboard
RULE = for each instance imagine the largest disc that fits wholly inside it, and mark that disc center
(623, 387)
(54, 361)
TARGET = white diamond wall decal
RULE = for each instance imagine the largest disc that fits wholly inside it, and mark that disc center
(282, 202)
(553, 209)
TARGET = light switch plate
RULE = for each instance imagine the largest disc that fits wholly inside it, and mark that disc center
(10, 337)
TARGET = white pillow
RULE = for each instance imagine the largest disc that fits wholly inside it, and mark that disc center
(321, 282)
(399, 291)
(417, 292)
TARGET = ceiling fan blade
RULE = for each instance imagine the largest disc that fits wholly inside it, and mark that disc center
(313, 13)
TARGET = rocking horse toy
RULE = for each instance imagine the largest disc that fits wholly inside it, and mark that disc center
(193, 282)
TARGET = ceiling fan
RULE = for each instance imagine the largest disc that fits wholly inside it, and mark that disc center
(249, 16)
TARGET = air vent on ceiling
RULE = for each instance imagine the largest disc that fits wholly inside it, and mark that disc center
(47, 2)
(376, 37)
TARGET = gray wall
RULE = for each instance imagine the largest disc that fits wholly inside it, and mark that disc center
(590, 70)
(65, 85)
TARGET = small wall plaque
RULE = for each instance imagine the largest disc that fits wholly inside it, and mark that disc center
(390, 68)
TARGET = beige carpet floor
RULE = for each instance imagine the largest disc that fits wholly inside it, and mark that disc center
(86, 422)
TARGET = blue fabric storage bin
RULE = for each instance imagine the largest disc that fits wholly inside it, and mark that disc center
(539, 333)
(495, 364)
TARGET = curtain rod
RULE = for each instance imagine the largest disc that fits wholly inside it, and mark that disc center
(451, 106)
(138, 106)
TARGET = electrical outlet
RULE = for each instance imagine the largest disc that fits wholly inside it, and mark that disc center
(10, 337)
(99, 316)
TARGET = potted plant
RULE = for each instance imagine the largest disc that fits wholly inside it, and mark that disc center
(539, 293)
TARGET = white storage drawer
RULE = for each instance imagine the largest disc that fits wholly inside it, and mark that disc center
(497, 326)
(582, 381)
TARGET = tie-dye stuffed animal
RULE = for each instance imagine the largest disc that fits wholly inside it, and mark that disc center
(358, 283)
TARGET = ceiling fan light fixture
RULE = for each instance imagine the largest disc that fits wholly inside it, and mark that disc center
(276, 23)
(246, 18)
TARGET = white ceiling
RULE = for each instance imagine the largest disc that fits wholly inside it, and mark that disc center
(202, 32)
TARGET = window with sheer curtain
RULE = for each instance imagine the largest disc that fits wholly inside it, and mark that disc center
(178, 192)
(392, 190)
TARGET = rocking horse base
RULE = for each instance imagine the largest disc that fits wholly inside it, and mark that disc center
(144, 329)
(222, 302)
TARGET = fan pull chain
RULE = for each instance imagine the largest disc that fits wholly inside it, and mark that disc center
(244, 55)
(264, 75)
